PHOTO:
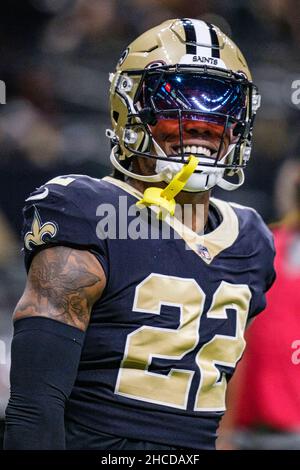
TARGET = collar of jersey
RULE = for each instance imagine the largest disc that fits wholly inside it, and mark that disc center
(206, 246)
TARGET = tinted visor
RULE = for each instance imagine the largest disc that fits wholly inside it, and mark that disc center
(192, 91)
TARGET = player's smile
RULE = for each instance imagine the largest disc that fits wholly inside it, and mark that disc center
(199, 137)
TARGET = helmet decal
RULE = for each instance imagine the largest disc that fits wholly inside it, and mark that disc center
(190, 36)
(201, 38)
(215, 46)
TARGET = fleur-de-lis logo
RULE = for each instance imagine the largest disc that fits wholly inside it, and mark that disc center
(38, 231)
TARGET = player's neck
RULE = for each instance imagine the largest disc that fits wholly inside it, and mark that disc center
(196, 218)
(194, 207)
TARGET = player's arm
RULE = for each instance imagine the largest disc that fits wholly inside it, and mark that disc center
(63, 284)
(50, 320)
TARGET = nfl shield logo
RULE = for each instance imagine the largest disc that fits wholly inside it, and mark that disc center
(203, 252)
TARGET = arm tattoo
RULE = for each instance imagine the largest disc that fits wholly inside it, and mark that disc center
(63, 284)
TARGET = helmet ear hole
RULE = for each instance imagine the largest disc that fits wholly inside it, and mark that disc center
(115, 116)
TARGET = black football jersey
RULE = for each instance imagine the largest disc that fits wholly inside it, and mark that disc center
(168, 331)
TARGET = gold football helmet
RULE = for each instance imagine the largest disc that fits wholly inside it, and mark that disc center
(183, 69)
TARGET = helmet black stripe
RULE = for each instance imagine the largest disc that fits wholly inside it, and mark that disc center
(190, 36)
(215, 46)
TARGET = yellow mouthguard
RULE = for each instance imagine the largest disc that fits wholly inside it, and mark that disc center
(164, 198)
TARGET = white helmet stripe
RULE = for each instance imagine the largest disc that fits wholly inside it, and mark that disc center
(198, 37)
(203, 38)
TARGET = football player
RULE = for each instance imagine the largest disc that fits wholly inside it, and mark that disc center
(127, 342)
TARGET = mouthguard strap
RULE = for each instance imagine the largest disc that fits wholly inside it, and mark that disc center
(164, 198)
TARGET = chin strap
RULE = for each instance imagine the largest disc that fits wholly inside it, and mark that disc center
(224, 184)
(149, 179)
(164, 198)
(159, 177)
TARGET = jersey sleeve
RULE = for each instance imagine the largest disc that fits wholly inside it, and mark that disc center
(263, 273)
(59, 213)
(256, 252)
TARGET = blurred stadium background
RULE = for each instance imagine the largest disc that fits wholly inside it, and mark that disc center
(55, 59)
